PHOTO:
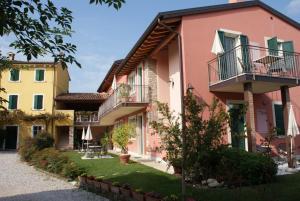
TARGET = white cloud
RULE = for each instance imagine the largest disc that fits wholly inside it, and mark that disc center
(293, 7)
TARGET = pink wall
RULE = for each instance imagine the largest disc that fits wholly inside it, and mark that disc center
(198, 33)
(163, 84)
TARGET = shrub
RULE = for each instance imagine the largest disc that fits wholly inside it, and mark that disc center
(50, 159)
(122, 135)
(71, 170)
(238, 167)
(43, 140)
(27, 149)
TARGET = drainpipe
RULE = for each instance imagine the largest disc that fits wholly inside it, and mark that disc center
(183, 121)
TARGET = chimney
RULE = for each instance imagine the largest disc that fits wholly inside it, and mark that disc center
(11, 56)
(235, 1)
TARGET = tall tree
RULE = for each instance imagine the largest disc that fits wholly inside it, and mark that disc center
(40, 27)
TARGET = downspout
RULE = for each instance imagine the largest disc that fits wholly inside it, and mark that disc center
(183, 121)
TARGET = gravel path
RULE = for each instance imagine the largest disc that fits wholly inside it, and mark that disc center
(20, 182)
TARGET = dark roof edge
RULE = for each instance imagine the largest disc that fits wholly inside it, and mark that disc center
(228, 6)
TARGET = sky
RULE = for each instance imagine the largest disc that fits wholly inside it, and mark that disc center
(103, 34)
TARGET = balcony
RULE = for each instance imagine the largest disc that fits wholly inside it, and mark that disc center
(266, 69)
(126, 99)
(86, 117)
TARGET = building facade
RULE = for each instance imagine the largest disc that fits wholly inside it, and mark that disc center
(243, 53)
(31, 88)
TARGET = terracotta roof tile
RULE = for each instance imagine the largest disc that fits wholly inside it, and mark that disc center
(81, 97)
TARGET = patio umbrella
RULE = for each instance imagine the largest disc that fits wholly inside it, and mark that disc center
(292, 127)
(88, 136)
(114, 83)
(217, 47)
(82, 137)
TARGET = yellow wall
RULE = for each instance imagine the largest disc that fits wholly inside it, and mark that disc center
(56, 82)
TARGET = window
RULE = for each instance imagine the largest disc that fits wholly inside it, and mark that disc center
(131, 82)
(14, 75)
(13, 102)
(278, 117)
(36, 130)
(38, 102)
(39, 75)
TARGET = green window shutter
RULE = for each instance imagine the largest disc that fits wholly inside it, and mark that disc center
(38, 102)
(279, 119)
(39, 75)
(273, 46)
(14, 75)
(222, 37)
(289, 58)
(245, 53)
(13, 102)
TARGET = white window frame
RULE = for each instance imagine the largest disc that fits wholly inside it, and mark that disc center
(43, 108)
(35, 70)
(17, 101)
(36, 125)
(9, 78)
(132, 75)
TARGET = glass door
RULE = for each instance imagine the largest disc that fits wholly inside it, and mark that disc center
(237, 126)
(140, 134)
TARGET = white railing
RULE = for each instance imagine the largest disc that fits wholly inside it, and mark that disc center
(125, 94)
(86, 117)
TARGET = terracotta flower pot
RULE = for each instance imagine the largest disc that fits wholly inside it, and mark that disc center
(125, 192)
(82, 181)
(115, 189)
(138, 196)
(177, 170)
(124, 158)
(105, 186)
(90, 183)
(152, 196)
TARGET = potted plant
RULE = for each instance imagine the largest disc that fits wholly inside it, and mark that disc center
(126, 190)
(115, 188)
(171, 198)
(104, 143)
(138, 195)
(105, 186)
(97, 184)
(82, 180)
(121, 137)
(177, 165)
(153, 196)
(124, 91)
(90, 183)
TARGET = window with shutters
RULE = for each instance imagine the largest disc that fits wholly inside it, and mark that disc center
(39, 75)
(14, 75)
(278, 119)
(38, 102)
(13, 102)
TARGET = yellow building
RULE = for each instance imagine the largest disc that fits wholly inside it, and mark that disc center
(32, 87)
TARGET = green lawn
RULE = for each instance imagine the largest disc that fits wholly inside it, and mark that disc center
(286, 188)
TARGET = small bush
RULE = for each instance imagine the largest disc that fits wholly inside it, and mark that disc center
(238, 167)
(71, 170)
(43, 140)
(50, 159)
(27, 149)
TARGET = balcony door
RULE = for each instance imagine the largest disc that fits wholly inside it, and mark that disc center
(140, 134)
(229, 59)
(140, 84)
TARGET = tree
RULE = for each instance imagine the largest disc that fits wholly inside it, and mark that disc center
(41, 28)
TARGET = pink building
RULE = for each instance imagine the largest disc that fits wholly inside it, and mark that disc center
(241, 53)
